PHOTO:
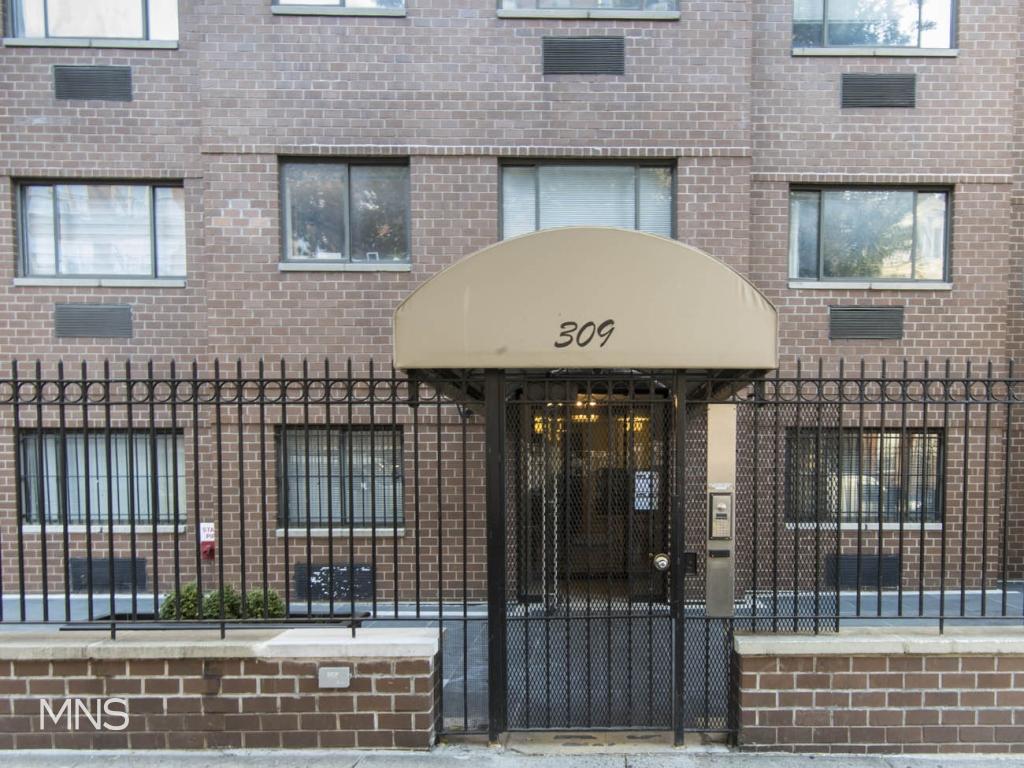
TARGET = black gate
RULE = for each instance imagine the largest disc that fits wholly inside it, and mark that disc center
(589, 630)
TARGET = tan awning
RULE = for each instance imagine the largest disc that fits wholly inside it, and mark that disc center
(586, 297)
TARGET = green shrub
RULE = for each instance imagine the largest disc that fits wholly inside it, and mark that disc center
(232, 604)
(254, 605)
(233, 608)
(189, 604)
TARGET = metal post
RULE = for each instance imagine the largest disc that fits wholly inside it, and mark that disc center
(497, 671)
(678, 570)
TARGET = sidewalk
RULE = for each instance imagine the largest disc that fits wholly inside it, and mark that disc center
(482, 757)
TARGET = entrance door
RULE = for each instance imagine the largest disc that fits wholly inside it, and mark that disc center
(588, 489)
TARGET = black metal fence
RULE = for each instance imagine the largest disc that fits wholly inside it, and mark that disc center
(255, 495)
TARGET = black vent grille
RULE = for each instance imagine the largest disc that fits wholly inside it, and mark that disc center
(865, 322)
(879, 91)
(316, 582)
(584, 55)
(93, 82)
(867, 574)
(92, 320)
(123, 567)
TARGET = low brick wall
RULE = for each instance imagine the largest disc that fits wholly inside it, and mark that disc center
(882, 693)
(182, 694)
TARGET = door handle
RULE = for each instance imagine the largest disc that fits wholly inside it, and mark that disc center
(660, 562)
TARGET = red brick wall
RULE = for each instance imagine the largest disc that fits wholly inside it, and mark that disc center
(881, 704)
(219, 703)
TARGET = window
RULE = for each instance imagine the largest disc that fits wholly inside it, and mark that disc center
(562, 195)
(873, 23)
(395, 4)
(346, 212)
(107, 479)
(589, 5)
(349, 477)
(877, 234)
(889, 471)
(112, 19)
(103, 230)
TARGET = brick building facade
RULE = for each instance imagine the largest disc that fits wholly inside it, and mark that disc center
(718, 92)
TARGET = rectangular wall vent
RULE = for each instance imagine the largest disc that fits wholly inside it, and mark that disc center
(865, 323)
(315, 582)
(92, 320)
(878, 91)
(866, 574)
(584, 55)
(123, 567)
(93, 82)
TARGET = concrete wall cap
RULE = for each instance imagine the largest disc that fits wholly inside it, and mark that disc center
(306, 642)
(172, 644)
(337, 642)
(1002, 642)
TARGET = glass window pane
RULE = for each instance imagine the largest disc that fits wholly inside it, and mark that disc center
(803, 234)
(77, 473)
(39, 232)
(867, 233)
(808, 23)
(604, 5)
(655, 189)
(380, 207)
(170, 231)
(518, 201)
(375, 4)
(309, 2)
(366, 479)
(96, 18)
(579, 195)
(163, 19)
(104, 230)
(936, 24)
(873, 22)
(930, 245)
(315, 210)
(29, 18)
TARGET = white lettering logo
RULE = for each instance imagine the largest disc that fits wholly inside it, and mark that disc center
(101, 714)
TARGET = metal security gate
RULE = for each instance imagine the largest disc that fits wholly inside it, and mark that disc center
(589, 629)
(601, 609)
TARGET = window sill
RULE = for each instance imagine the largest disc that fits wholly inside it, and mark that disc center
(119, 528)
(342, 531)
(855, 285)
(908, 527)
(88, 42)
(326, 10)
(96, 282)
(312, 266)
(555, 13)
(935, 53)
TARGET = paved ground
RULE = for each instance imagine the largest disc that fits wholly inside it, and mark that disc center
(478, 756)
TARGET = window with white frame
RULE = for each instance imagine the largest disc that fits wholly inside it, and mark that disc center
(888, 476)
(546, 195)
(346, 212)
(589, 5)
(894, 234)
(345, 476)
(102, 230)
(355, 4)
(99, 478)
(100, 19)
(873, 23)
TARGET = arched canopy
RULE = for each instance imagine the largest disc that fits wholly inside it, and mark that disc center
(586, 297)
